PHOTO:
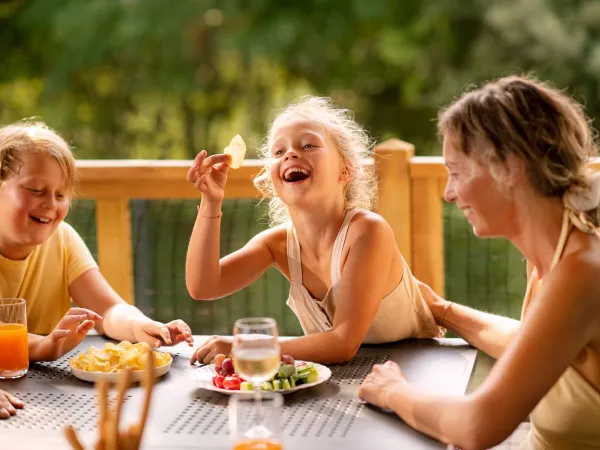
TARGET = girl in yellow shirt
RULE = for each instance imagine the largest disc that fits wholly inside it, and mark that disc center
(45, 261)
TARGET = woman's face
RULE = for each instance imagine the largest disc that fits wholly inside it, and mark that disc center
(481, 197)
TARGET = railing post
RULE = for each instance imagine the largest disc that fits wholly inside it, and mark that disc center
(428, 232)
(113, 224)
(392, 160)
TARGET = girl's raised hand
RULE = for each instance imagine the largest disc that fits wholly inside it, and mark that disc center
(209, 175)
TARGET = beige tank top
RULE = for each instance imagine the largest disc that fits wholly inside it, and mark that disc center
(402, 314)
(568, 417)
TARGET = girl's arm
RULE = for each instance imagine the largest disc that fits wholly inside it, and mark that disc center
(362, 287)
(120, 320)
(208, 277)
(564, 318)
(489, 333)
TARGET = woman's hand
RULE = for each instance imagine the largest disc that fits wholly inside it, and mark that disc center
(209, 175)
(156, 334)
(211, 348)
(67, 335)
(8, 403)
(377, 386)
(435, 302)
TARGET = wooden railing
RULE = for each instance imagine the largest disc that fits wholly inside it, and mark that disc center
(410, 198)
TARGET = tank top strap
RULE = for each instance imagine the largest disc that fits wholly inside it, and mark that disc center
(565, 229)
(338, 246)
(293, 255)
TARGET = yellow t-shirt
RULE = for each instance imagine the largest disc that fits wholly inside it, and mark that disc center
(43, 278)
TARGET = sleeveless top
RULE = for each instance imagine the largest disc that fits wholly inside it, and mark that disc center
(568, 416)
(403, 313)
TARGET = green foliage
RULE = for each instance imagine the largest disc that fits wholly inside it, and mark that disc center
(158, 79)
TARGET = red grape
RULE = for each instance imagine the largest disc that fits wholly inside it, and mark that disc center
(227, 366)
(287, 359)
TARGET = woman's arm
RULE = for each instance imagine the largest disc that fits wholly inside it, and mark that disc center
(120, 320)
(489, 333)
(564, 318)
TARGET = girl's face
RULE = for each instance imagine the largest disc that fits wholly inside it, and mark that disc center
(305, 167)
(33, 202)
(477, 193)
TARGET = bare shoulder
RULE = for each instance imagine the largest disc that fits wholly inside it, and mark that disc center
(370, 223)
(369, 227)
(273, 238)
(577, 277)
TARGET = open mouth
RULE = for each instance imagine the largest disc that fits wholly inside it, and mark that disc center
(295, 175)
(42, 220)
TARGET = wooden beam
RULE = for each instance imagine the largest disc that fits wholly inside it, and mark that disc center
(113, 220)
(428, 233)
(392, 159)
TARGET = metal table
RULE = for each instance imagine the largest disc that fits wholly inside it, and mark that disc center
(182, 416)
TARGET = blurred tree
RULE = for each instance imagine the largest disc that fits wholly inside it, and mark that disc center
(160, 79)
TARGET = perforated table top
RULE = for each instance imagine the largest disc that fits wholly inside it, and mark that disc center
(327, 416)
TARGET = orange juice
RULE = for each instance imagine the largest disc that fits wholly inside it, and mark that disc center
(258, 444)
(14, 353)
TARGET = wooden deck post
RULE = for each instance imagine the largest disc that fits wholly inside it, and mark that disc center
(392, 159)
(428, 232)
(113, 223)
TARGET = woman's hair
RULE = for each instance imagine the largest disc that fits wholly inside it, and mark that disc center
(351, 141)
(34, 137)
(541, 125)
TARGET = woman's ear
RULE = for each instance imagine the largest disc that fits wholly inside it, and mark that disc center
(515, 170)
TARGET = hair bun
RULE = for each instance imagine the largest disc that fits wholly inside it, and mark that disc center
(585, 199)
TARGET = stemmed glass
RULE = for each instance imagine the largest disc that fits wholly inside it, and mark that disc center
(256, 357)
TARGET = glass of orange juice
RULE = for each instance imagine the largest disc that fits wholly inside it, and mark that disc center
(256, 428)
(14, 354)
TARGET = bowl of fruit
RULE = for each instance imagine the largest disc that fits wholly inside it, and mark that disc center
(292, 376)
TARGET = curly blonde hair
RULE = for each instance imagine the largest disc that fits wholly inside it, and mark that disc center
(350, 139)
(35, 137)
(541, 125)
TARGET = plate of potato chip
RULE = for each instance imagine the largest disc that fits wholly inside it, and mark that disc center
(110, 362)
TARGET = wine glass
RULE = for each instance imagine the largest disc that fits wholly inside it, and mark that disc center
(256, 357)
(255, 351)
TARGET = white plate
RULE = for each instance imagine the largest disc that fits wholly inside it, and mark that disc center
(202, 377)
(113, 377)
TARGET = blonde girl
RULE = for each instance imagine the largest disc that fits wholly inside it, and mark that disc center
(349, 282)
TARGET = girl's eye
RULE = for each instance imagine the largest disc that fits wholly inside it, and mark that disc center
(308, 146)
(34, 191)
(278, 152)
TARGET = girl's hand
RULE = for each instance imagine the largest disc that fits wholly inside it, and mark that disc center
(211, 348)
(156, 334)
(380, 382)
(67, 335)
(209, 175)
(8, 403)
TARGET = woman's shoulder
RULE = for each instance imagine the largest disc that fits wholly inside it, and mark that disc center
(577, 276)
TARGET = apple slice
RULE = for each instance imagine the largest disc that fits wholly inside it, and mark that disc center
(237, 150)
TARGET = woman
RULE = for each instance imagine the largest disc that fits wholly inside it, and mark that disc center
(516, 151)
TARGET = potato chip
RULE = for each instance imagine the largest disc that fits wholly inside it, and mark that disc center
(117, 358)
(237, 150)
